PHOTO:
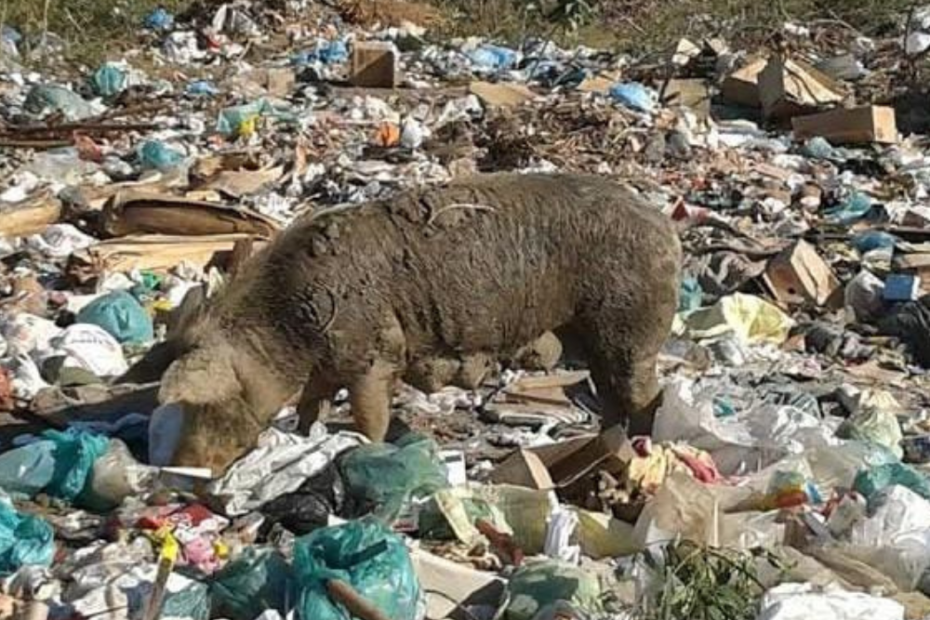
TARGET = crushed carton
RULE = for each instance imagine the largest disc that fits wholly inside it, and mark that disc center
(863, 125)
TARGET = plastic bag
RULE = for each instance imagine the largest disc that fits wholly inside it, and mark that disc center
(864, 296)
(280, 464)
(910, 322)
(634, 96)
(856, 206)
(691, 295)
(795, 601)
(240, 120)
(75, 455)
(109, 80)
(383, 477)
(156, 155)
(121, 315)
(115, 476)
(260, 579)
(46, 98)
(538, 585)
(309, 507)
(159, 19)
(27, 470)
(874, 424)
(493, 57)
(87, 347)
(751, 319)
(870, 482)
(366, 555)
(25, 540)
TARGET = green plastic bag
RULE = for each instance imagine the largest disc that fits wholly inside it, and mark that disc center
(366, 555)
(381, 478)
(121, 315)
(75, 454)
(538, 585)
(259, 580)
(109, 80)
(869, 482)
(25, 540)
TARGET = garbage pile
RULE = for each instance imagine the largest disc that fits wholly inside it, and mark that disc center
(787, 472)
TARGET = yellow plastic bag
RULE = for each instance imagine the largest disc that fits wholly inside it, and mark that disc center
(751, 319)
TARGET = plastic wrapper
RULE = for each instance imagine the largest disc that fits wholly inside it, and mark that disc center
(259, 580)
(366, 555)
(539, 585)
(60, 240)
(121, 315)
(280, 464)
(382, 478)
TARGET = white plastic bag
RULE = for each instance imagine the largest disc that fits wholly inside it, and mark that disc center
(792, 601)
(89, 347)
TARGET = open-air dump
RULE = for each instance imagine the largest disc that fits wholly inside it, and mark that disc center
(317, 311)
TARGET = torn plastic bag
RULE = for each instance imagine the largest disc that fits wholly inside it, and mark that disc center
(259, 580)
(538, 585)
(795, 601)
(382, 478)
(369, 557)
(27, 470)
(864, 297)
(46, 98)
(116, 475)
(25, 540)
(279, 465)
(309, 507)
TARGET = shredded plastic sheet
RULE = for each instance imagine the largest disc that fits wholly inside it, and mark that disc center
(279, 465)
(751, 319)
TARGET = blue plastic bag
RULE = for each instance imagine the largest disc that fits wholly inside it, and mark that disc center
(634, 96)
(690, 296)
(493, 57)
(26, 471)
(856, 206)
(381, 478)
(259, 580)
(156, 155)
(121, 316)
(873, 240)
(869, 482)
(159, 19)
(366, 555)
(325, 51)
(75, 455)
(202, 88)
(25, 540)
(109, 80)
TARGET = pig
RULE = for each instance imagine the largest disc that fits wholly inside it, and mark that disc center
(477, 269)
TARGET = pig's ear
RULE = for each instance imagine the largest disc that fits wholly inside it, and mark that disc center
(202, 376)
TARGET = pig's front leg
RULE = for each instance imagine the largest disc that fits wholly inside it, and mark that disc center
(315, 403)
(370, 396)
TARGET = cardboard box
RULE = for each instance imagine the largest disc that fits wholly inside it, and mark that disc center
(690, 93)
(849, 126)
(788, 88)
(799, 275)
(374, 64)
(501, 95)
(742, 86)
(559, 465)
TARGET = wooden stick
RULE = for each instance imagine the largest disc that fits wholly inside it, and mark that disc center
(357, 606)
